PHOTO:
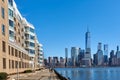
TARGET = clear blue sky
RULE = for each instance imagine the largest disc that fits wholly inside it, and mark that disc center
(63, 23)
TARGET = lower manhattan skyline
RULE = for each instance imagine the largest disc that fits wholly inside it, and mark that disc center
(64, 26)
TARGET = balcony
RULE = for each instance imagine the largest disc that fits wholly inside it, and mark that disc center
(11, 38)
(10, 17)
(11, 28)
(10, 7)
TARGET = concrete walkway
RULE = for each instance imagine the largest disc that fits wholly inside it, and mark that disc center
(38, 75)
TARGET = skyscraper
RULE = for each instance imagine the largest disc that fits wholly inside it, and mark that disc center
(118, 52)
(74, 55)
(106, 49)
(87, 42)
(99, 55)
(87, 56)
(66, 56)
(106, 54)
(99, 46)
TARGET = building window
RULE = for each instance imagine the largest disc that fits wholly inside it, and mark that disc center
(11, 23)
(15, 28)
(12, 64)
(19, 54)
(32, 37)
(9, 49)
(22, 37)
(10, 2)
(12, 51)
(3, 29)
(3, 12)
(10, 13)
(15, 37)
(9, 64)
(3, 46)
(22, 30)
(19, 31)
(16, 64)
(11, 33)
(31, 30)
(25, 56)
(22, 44)
(22, 55)
(4, 63)
(19, 64)
(19, 24)
(32, 51)
(22, 64)
(32, 44)
(19, 40)
(16, 52)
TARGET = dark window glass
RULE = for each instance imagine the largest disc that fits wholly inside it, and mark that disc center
(4, 63)
(31, 30)
(32, 37)
(12, 51)
(3, 12)
(10, 13)
(12, 64)
(9, 64)
(3, 29)
(9, 50)
(32, 44)
(16, 64)
(10, 2)
(11, 23)
(3, 46)
(16, 52)
(11, 33)
(32, 51)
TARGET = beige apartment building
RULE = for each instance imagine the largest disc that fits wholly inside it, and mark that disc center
(18, 45)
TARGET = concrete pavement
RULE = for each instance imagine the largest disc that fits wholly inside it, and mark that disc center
(44, 74)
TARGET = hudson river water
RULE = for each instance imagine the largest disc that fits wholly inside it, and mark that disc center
(109, 73)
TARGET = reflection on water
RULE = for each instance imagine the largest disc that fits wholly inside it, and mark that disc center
(90, 73)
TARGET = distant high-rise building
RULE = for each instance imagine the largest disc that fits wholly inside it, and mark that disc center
(111, 57)
(95, 59)
(112, 54)
(87, 43)
(66, 56)
(50, 61)
(100, 55)
(55, 61)
(62, 62)
(99, 46)
(81, 56)
(118, 52)
(74, 55)
(87, 56)
(117, 48)
(118, 56)
(105, 54)
(106, 49)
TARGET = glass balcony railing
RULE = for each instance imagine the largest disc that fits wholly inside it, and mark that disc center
(11, 28)
(11, 38)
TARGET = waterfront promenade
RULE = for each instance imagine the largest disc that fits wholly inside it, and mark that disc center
(44, 74)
